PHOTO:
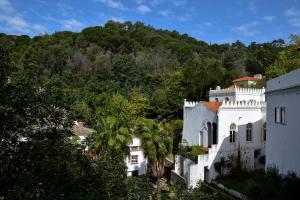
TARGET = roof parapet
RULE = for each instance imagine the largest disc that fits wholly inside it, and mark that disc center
(238, 90)
(239, 104)
(190, 103)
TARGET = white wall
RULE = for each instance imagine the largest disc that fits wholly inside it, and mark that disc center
(194, 119)
(141, 166)
(231, 112)
(282, 146)
(237, 94)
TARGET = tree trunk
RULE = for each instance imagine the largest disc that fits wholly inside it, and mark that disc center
(158, 189)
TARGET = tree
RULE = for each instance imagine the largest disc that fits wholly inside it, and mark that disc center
(157, 145)
(110, 136)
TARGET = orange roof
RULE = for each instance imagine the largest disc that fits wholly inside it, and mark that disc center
(233, 86)
(213, 106)
(246, 78)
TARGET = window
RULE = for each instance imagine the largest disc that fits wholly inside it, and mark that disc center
(277, 115)
(135, 148)
(265, 131)
(249, 132)
(134, 159)
(209, 134)
(232, 133)
(282, 115)
(215, 134)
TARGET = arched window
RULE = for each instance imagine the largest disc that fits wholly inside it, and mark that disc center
(232, 133)
(209, 134)
(265, 131)
(226, 99)
(249, 132)
(217, 100)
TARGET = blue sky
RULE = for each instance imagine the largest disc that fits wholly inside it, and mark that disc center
(215, 21)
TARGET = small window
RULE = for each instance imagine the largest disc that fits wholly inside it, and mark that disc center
(134, 148)
(282, 115)
(232, 133)
(277, 115)
(134, 159)
(265, 131)
(249, 132)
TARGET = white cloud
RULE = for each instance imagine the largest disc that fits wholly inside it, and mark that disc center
(247, 29)
(72, 24)
(165, 13)
(39, 28)
(13, 22)
(144, 8)
(269, 18)
(117, 19)
(113, 4)
(292, 12)
(295, 22)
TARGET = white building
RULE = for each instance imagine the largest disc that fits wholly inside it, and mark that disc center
(283, 123)
(231, 127)
(136, 162)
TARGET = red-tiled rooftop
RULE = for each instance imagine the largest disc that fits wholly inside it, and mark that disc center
(246, 78)
(213, 106)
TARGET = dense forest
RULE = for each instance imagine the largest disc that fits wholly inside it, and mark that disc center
(121, 79)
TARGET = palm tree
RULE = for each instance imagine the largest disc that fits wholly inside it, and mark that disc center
(111, 135)
(157, 145)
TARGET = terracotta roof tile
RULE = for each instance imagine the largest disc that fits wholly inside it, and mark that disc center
(213, 106)
(246, 78)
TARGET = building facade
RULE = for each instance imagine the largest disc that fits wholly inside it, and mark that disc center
(136, 161)
(230, 127)
(283, 123)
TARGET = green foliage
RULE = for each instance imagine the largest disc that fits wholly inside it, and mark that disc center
(111, 136)
(174, 128)
(156, 145)
(191, 152)
(264, 185)
(200, 192)
(119, 79)
(287, 60)
(139, 188)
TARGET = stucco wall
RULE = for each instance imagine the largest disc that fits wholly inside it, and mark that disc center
(282, 146)
(141, 166)
(193, 123)
(237, 94)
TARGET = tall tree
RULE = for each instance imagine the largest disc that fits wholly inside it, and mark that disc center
(157, 145)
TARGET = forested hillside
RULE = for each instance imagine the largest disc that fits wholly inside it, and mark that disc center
(162, 66)
(122, 79)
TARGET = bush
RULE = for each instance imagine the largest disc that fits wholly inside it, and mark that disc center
(191, 152)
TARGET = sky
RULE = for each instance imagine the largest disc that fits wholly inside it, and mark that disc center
(214, 21)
